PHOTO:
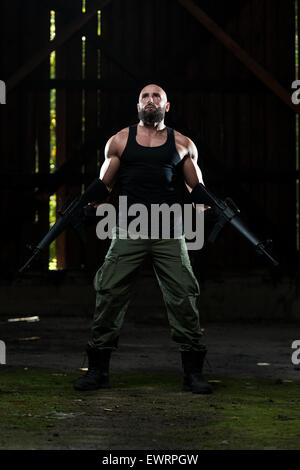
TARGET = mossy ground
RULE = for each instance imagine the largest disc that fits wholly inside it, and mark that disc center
(40, 410)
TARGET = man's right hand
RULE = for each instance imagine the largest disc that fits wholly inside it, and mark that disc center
(94, 204)
(90, 209)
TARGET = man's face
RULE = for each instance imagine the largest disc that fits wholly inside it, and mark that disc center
(152, 104)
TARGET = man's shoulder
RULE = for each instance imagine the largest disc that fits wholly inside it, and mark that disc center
(121, 135)
(117, 143)
(119, 138)
(182, 139)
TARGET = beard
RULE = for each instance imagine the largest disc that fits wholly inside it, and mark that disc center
(150, 116)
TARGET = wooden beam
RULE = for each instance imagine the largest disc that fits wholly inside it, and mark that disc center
(118, 58)
(68, 173)
(230, 85)
(60, 39)
(240, 53)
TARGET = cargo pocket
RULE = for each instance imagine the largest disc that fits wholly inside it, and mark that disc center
(104, 277)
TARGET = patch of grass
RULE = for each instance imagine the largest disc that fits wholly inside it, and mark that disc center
(258, 414)
(40, 409)
(34, 394)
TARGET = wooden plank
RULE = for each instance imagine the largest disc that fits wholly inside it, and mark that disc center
(185, 85)
(42, 125)
(69, 120)
(124, 61)
(30, 230)
(21, 181)
(258, 103)
(61, 134)
(280, 125)
(11, 160)
(243, 250)
(92, 129)
(240, 53)
(229, 246)
(65, 35)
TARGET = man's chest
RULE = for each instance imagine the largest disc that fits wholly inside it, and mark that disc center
(155, 140)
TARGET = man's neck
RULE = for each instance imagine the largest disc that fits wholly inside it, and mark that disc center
(152, 128)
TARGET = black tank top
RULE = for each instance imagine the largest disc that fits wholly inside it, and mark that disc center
(148, 175)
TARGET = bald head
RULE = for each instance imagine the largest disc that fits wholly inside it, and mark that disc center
(152, 88)
(152, 106)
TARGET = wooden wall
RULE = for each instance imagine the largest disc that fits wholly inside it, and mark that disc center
(245, 135)
(24, 131)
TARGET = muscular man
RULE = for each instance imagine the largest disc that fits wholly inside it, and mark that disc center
(145, 159)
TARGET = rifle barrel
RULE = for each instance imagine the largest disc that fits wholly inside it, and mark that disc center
(259, 245)
(36, 253)
(243, 229)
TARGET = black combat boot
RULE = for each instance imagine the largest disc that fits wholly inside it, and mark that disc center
(193, 381)
(97, 375)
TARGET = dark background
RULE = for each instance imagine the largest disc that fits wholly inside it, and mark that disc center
(245, 135)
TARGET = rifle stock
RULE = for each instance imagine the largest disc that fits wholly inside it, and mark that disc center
(58, 228)
(96, 191)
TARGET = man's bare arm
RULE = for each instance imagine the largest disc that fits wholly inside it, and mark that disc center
(110, 167)
(191, 171)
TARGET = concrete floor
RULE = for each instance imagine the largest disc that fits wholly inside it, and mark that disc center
(233, 349)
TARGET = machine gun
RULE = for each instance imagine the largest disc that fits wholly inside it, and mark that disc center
(226, 212)
(73, 215)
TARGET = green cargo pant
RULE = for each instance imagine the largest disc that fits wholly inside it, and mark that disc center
(114, 283)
